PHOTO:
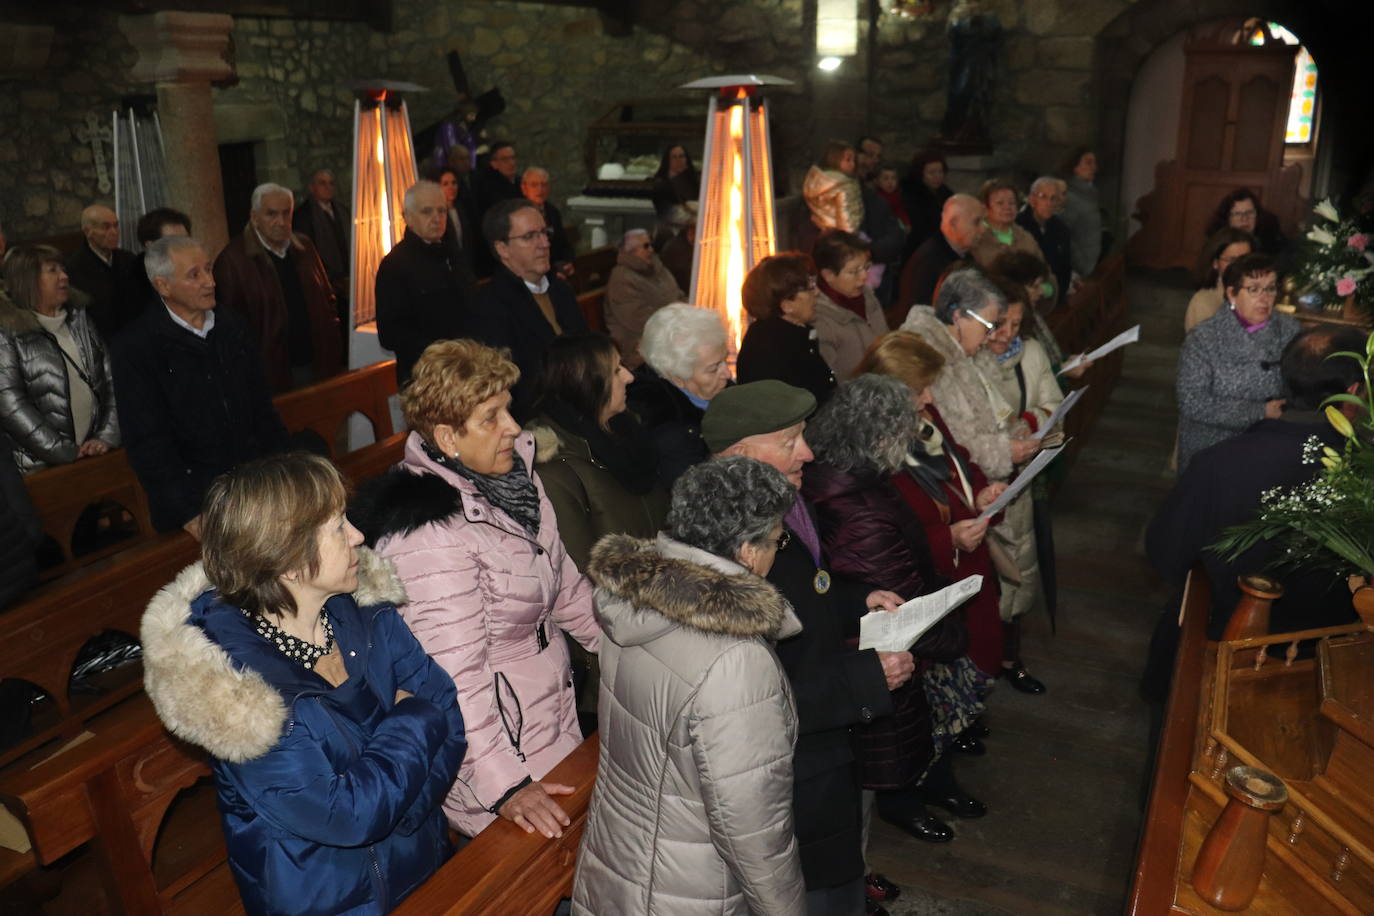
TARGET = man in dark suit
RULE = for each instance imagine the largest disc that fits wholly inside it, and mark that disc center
(192, 397)
(104, 271)
(534, 185)
(325, 221)
(836, 687)
(424, 287)
(961, 222)
(524, 306)
(1038, 218)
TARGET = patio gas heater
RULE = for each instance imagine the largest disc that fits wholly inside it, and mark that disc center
(735, 223)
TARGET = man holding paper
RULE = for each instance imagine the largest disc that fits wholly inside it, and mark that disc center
(835, 686)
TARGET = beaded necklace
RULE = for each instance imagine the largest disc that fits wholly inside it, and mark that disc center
(298, 650)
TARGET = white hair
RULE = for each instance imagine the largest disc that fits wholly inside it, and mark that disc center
(267, 188)
(408, 203)
(157, 260)
(674, 334)
(1047, 181)
(532, 171)
(630, 236)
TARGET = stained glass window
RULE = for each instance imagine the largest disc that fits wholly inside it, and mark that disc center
(1302, 106)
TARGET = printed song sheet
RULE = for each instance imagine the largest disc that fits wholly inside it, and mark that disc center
(1022, 481)
(897, 631)
(1116, 343)
(1059, 412)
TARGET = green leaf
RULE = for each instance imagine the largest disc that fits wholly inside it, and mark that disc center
(1359, 358)
(1344, 399)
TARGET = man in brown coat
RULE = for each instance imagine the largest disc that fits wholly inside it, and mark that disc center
(275, 280)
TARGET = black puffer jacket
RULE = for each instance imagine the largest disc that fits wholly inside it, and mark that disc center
(35, 404)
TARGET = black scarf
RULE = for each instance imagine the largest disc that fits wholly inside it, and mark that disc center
(624, 451)
(512, 492)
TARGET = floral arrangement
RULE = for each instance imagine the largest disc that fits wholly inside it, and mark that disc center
(1328, 522)
(1335, 262)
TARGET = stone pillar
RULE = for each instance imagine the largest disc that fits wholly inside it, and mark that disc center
(182, 53)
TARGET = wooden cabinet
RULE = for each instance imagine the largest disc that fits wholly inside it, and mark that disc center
(1230, 135)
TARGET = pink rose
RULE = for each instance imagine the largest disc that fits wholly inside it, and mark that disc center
(1345, 287)
(1359, 241)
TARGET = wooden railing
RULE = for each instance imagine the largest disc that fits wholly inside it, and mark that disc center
(505, 870)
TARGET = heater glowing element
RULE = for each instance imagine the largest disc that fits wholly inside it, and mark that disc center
(735, 227)
(383, 168)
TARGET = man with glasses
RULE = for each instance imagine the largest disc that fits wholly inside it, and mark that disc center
(836, 687)
(525, 306)
(424, 287)
(1040, 218)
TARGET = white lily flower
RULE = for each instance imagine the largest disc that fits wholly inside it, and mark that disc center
(1327, 211)
(1321, 236)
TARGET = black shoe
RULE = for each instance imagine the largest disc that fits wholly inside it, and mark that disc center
(1021, 679)
(979, 729)
(925, 827)
(874, 908)
(958, 803)
(965, 743)
(880, 890)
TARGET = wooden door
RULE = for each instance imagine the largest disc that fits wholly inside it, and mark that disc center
(1230, 135)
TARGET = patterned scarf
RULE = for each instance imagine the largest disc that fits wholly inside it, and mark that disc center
(512, 492)
(1012, 351)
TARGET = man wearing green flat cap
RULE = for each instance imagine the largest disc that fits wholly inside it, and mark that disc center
(836, 687)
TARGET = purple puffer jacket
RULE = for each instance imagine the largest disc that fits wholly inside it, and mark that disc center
(486, 602)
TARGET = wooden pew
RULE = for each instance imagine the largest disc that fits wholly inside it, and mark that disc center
(592, 268)
(505, 870)
(326, 406)
(61, 494)
(592, 305)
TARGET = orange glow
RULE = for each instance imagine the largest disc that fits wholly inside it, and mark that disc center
(383, 209)
(383, 168)
(735, 226)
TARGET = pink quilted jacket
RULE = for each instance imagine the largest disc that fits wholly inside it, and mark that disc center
(486, 601)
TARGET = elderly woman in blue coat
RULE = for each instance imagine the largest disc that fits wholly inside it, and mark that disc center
(1228, 371)
(333, 736)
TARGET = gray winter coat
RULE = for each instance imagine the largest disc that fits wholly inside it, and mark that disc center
(980, 418)
(35, 406)
(692, 811)
(1225, 376)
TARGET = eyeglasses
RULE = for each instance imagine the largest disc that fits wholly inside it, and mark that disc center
(1261, 290)
(784, 539)
(529, 237)
(1243, 214)
(859, 271)
(990, 325)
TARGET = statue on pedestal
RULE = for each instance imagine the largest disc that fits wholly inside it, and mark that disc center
(975, 40)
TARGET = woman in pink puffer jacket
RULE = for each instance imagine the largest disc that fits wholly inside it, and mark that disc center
(490, 585)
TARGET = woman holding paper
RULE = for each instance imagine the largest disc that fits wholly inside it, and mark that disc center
(967, 316)
(860, 438)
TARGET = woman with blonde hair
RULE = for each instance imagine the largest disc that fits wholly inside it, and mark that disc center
(475, 540)
(333, 736)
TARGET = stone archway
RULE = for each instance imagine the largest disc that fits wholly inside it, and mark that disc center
(1125, 43)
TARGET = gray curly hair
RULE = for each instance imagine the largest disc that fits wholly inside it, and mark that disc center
(966, 291)
(721, 505)
(867, 424)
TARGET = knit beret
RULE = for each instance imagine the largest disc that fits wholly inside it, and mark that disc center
(753, 409)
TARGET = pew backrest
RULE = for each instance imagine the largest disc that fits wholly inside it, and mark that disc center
(326, 406)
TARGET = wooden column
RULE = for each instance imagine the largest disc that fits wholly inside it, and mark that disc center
(182, 54)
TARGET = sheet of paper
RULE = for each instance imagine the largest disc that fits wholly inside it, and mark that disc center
(1059, 412)
(897, 631)
(1125, 337)
(1022, 481)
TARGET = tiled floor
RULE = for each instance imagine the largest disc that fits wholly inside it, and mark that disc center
(1064, 773)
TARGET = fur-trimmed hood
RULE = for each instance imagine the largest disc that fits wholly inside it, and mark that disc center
(401, 501)
(200, 692)
(686, 587)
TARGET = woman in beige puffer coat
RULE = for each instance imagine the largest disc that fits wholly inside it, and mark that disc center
(692, 810)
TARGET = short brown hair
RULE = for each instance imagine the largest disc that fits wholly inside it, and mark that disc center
(1254, 264)
(905, 356)
(834, 249)
(23, 266)
(834, 152)
(773, 280)
(450, 379)
(992, 186)
(261, 520)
